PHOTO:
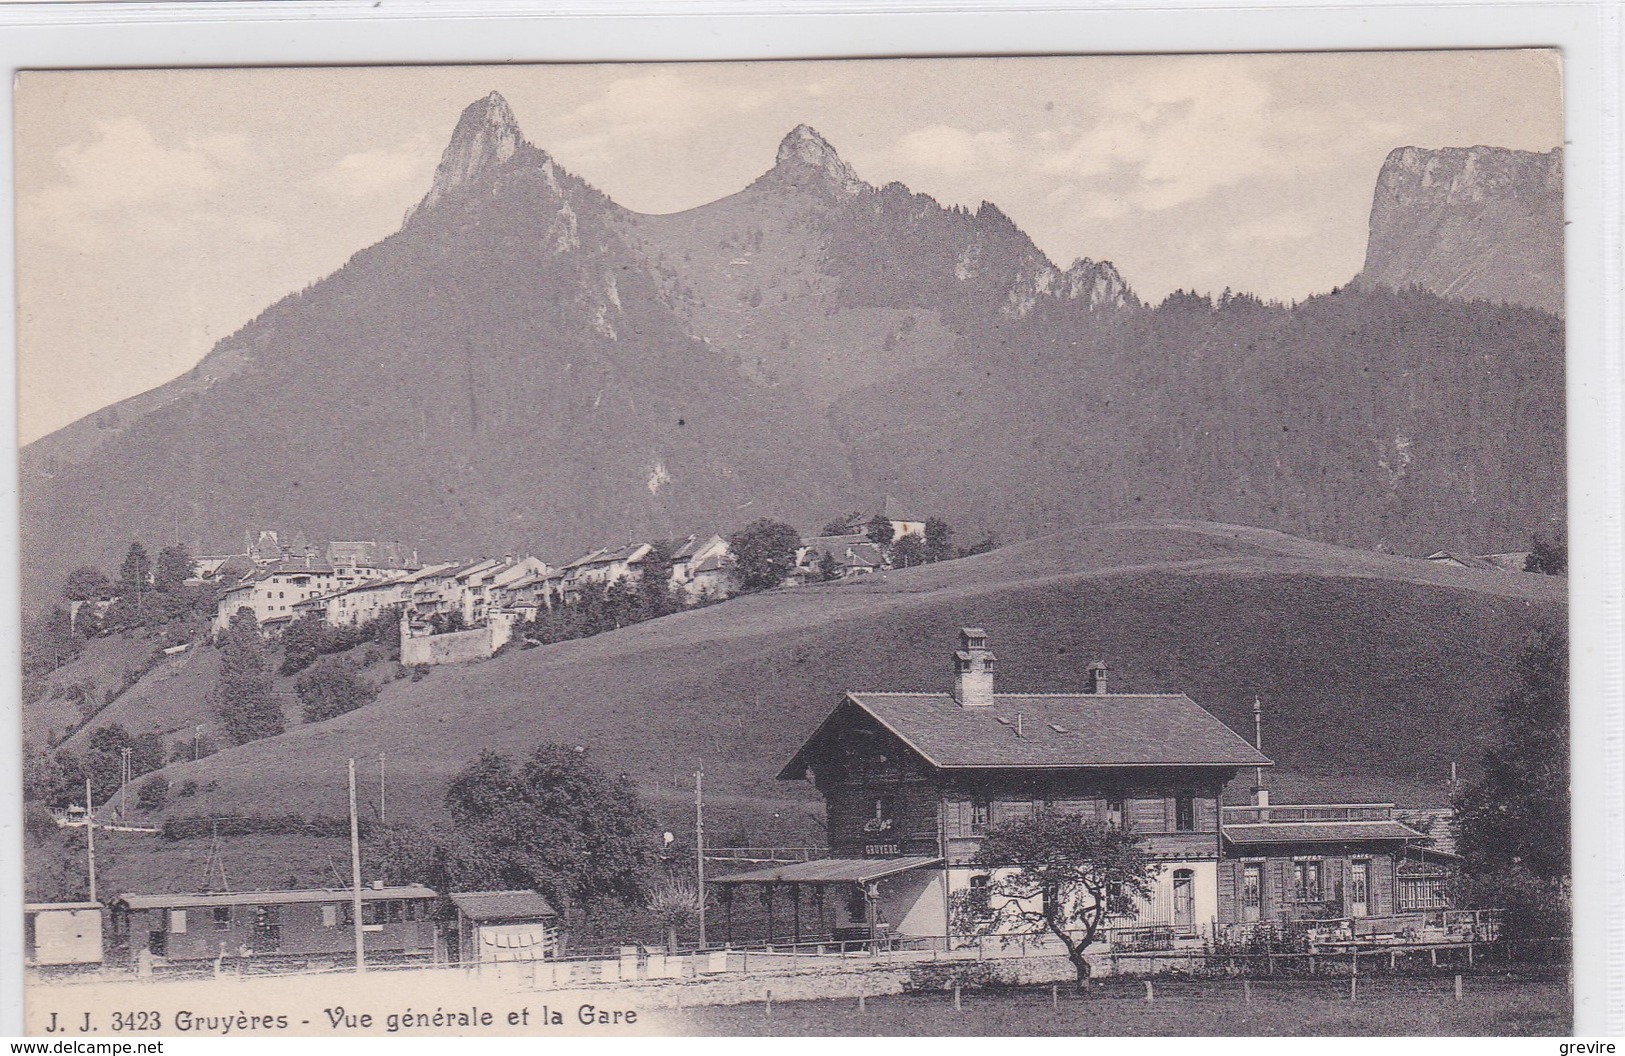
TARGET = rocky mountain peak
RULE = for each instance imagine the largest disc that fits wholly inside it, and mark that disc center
(1098, 284)
(486, 137)
(804, 153)
(1470, 174)
(1475, 223)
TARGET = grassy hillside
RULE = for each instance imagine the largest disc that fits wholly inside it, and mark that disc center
(1376, 673)
(106, 664)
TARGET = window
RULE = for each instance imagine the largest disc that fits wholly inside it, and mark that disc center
(394, 912)
(177, 921)
(1252, 885)
(980, 809)
(1423, 892)
(1306, 882)
(411, 911)
(330, 916)
(222, 918)
(981, 901)
(371, 913)
(1114, 811)
(1184, 812)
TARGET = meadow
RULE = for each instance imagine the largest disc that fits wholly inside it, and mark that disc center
(1490, 1007)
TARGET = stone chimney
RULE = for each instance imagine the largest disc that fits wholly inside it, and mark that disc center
(1097, 677)
(973, 669)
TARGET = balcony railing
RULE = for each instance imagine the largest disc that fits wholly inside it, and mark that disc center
(1303, 812)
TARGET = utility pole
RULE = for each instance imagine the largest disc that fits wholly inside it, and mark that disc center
(124, 784)
(197, 732)
(90, 836)
(699, 844)
(355, 878)
(1258, 739)
(380, 788)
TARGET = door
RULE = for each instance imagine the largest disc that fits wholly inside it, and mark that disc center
(1184, 902)
(1359, 885)
(1252, 891)
(266, 936)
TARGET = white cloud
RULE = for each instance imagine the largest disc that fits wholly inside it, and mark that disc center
(123, 169)
(406, 168)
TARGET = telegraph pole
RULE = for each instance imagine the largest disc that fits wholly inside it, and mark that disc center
(124, 785)
(380, 788)
(355, 878)
(699, 844)
(1258, 738)
(90, 836)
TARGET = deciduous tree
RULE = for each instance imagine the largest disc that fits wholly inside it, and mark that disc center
(1057, 873)
(87, 584)
(939, 540)
(763, 553)
(554, 823)
(1548, 556)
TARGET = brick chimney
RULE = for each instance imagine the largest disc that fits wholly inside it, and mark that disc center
(1097, 677)
(973, 669)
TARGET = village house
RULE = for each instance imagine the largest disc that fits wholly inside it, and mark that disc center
(913, 781)
(531, 593)
(699, 567)
(854, 555)
(273, 593)
(213, 569)
(606, 567)
(1508, 562)
(385, 557)
(901, 523)
(473, 585)
(438, 592)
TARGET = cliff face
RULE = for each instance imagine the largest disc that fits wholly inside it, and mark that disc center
(1475, 223)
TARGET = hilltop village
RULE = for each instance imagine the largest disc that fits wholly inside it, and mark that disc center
(472, 607)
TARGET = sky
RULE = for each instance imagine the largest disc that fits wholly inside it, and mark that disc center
(159, 211)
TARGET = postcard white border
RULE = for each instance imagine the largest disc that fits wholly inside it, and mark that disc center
(349, 32)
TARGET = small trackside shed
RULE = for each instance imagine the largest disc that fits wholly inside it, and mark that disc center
(505, 926)
(206, 925)
(62, 933)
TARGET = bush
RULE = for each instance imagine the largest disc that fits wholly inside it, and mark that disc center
(199, 826)
(187, 790)
(331, 688)
(152, 793)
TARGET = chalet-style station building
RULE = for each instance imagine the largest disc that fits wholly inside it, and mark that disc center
(912, 781)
